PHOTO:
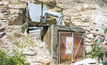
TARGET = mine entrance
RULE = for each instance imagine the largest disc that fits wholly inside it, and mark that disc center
(77, 53)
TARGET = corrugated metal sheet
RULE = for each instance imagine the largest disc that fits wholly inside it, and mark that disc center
(35, 11)
(35, 32)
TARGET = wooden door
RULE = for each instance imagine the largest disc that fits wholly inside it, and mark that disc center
(77, 47)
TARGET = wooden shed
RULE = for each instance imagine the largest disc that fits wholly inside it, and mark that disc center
(55, 37)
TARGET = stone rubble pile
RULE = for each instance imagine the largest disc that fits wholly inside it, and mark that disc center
(6, 45)
(12, 13)
(36, 53)
(42, 55)
(12, 18)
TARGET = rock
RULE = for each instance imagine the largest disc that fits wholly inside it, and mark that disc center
(88, 40)
(14, 30)
(106, 37)
(14, 11)
(2, 34)
(100, 18)
(68, 23)
(48, 63)
(16, 20)
(17, 6)
(4, 3)
(88, 49)
(88, 43)
(42, 54)
(2, 29)
(87, 61)
(2, 16)
(90, 36)
(16, 17)
(3, 23)
(53, 2)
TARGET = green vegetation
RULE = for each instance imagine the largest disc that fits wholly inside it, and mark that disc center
(28, 40)
(105, 31)
(105, 63)
(96, 52)
(18, 43)
(17, 59)
(22, 43)
(105, 1)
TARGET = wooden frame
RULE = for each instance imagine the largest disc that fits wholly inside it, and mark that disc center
(52, 40)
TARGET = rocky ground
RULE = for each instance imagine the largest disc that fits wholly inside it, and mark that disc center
(88, 15)
(12, 36)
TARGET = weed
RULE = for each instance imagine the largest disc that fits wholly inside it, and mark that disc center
(22, 43)
(17, 59)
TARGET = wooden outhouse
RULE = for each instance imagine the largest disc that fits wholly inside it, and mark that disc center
(56, 38)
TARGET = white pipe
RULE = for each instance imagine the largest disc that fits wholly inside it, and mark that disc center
(59, 22)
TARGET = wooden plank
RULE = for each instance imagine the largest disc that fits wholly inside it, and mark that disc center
(64, 57)
(70, 28)
(79, 53)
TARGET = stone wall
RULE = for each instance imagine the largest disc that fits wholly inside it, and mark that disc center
(12, 14)
(92, 18)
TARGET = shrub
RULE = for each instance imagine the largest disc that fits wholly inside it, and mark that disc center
(96, 52)
(17, 59)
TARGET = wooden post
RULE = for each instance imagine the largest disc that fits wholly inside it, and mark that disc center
(72, 58)
(59, 48)
(41, 13)
(72, 50)
(27, 22)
